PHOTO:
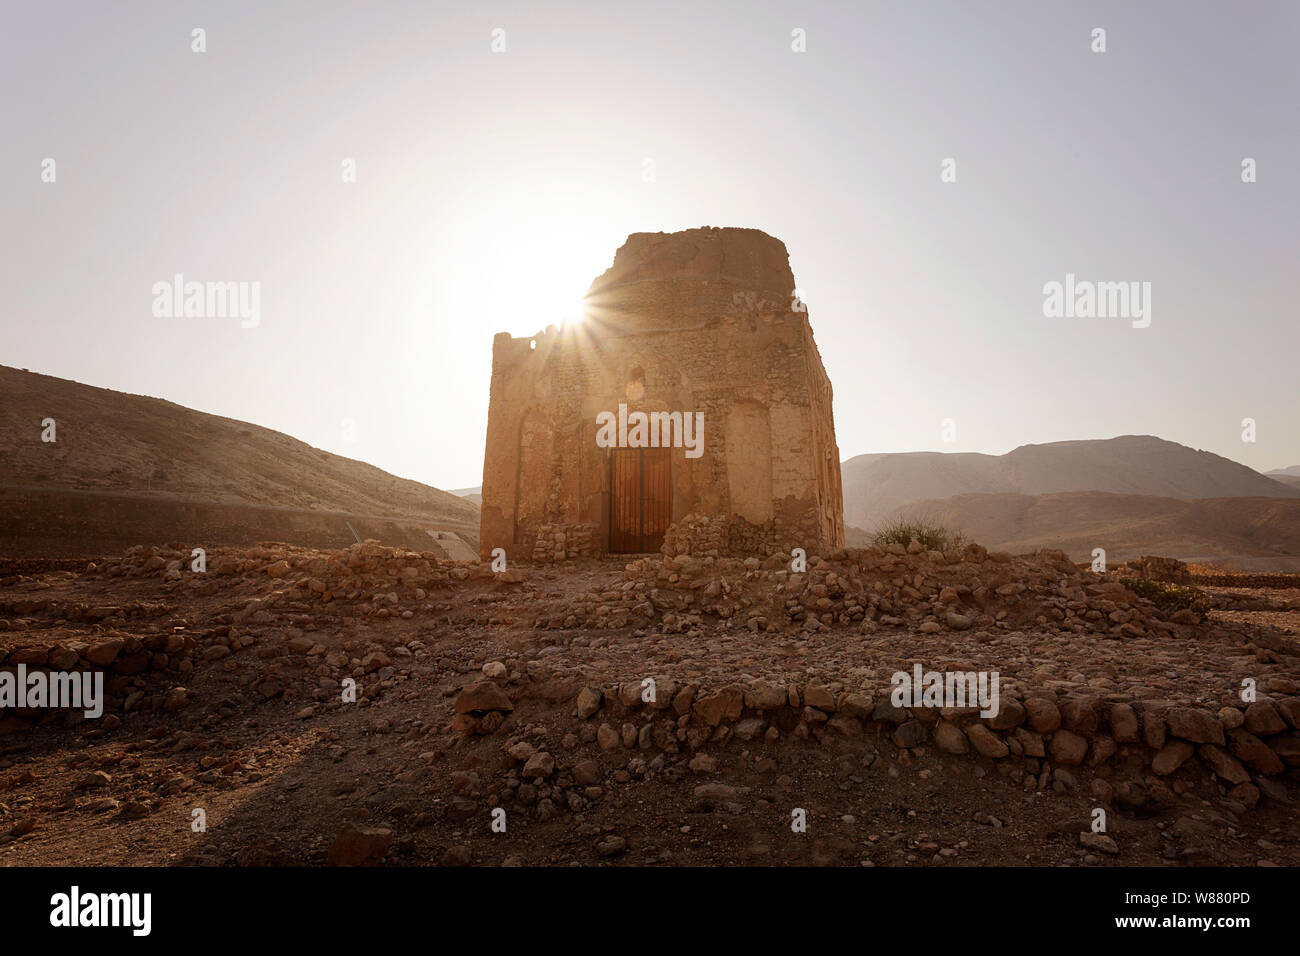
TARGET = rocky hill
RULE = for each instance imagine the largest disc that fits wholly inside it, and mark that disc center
(129, 469)
(876, 486)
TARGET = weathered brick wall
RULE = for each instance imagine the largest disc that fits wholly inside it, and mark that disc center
(699, 321)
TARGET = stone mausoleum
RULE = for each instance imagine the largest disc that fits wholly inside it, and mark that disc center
(700, 326)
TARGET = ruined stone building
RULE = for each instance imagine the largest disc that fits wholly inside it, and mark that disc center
(701, 327)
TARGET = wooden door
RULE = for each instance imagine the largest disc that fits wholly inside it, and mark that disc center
(641, 499)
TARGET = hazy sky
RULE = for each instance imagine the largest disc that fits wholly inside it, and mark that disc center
(491, 188)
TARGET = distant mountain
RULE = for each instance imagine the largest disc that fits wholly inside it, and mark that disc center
(128, 468)
(1253, 533)
(1292, 472)
(474, 494)
(876, 486)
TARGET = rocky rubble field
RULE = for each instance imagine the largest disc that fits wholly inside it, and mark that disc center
(374, 705)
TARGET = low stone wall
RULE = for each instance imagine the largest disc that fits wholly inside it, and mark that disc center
(365, 570)
(1241, 746)
(717, 536)
(1135, 749)
(564, 542)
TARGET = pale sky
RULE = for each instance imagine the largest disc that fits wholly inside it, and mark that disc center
(493, 187)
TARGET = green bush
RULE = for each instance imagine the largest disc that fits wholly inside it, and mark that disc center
(1170, 597)
(932, 536)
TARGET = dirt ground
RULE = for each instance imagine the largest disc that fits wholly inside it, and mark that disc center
(286, 772)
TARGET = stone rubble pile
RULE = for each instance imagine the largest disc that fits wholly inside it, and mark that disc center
(132, 664)
(872, 587)
(367, 571)
(1152, 568)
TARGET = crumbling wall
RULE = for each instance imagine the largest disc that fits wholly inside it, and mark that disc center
(693, 322)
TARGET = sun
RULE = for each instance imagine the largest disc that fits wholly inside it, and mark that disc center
(528, 263)
(576, 314)
(524, 287)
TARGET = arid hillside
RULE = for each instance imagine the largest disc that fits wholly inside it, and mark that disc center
(128, 468)
(878, 485)
(1252, 533)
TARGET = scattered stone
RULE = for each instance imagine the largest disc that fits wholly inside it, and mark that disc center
(1068, 747)
(1099, 842)
(986, 742)
(608, 737)
(457, 855)
(359, 846)
(949, 738)
(1198, 726)
(913, 733)
(521, 751)
(1171, 756)
(483, 696)
(94, 780)
(589, 701)
(1044, 716)
(540, 764)
(1223, 764)
(1261, 718)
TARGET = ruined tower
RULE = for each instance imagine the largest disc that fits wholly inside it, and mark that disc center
(700, 326)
